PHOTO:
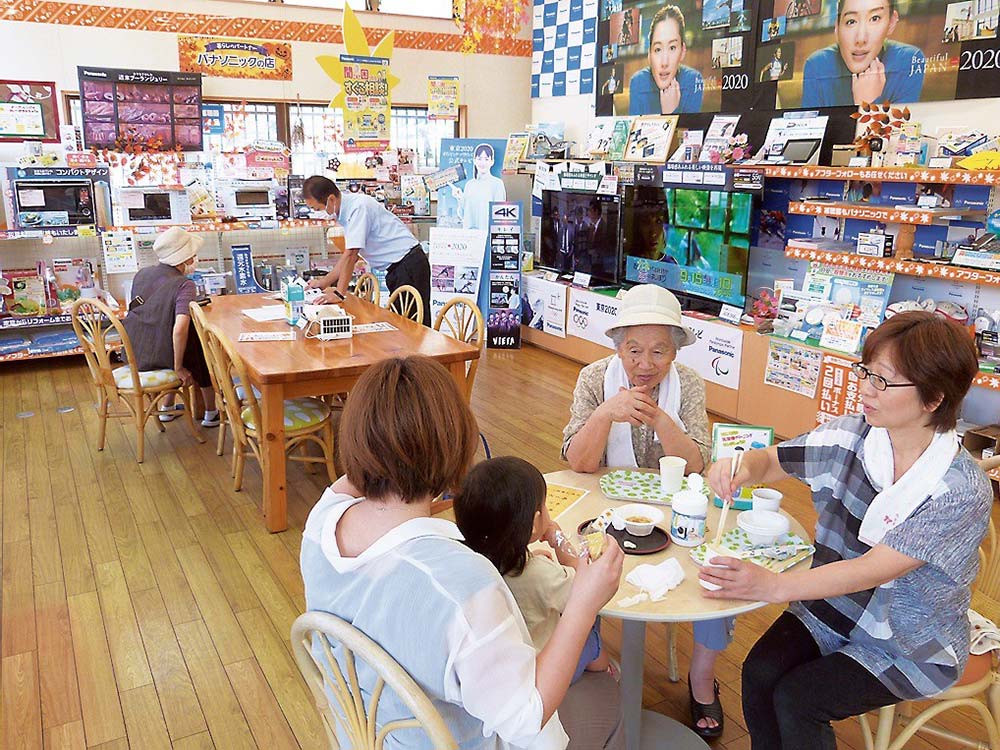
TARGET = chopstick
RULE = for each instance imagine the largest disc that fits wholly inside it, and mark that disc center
(733, 468)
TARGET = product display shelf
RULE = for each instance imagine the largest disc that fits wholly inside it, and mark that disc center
(39, 234)
(922, 175)
(227, 226)
(883, 214)
(899, 266)
(26, 357)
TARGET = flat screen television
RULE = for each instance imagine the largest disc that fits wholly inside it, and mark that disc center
(695, 242)
(580, 232)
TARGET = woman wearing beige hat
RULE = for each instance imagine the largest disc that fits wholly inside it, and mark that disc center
(159, 322)
(634, 407)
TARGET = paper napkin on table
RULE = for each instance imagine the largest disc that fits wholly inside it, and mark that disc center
(657, 580)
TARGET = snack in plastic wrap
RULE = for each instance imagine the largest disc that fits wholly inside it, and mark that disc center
(595, 544)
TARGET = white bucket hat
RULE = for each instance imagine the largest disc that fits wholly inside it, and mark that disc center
(652, 305)
(175, 246)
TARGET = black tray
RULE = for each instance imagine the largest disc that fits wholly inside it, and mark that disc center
(656, 541)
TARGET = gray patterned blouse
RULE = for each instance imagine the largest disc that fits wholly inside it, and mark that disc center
(911, 633)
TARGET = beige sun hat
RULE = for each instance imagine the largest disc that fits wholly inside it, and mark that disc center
(176, 245)
(652, 305)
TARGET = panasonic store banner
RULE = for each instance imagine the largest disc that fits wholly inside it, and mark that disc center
(590, 315)
(543, 305)
(717, 352)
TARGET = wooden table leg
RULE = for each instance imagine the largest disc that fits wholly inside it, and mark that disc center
(272, 449)
(457, 370)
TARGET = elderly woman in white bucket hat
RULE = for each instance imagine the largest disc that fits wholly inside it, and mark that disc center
(159, 320)
(634, 407)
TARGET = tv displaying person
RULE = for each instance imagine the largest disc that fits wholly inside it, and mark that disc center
(666, 86)
(864, 65)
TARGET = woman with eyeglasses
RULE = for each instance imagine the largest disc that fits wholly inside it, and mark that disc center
(902, 508)
(631, 409)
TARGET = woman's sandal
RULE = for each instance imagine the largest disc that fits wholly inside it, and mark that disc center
(701, 711)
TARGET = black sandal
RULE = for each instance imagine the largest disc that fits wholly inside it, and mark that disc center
(701, 711)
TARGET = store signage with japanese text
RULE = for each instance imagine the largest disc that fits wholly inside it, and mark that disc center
(235, 58)
(367, 106)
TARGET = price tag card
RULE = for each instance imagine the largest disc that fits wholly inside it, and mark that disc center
(731, 314)
(266, 336)
(581, 279)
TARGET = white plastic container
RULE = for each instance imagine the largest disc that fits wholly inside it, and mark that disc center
(638, 510)
(763, 527)
(764, 498)
(687, 523)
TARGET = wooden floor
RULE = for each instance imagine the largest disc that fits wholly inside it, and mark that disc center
(146, 607)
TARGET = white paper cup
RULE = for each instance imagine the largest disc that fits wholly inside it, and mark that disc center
(764, 498)
(672, 473)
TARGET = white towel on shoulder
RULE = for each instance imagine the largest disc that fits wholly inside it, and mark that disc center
(620, 451)
(895, 502)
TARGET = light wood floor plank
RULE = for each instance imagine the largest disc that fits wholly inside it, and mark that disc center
(60, 692)
(283, 676)
(78, 572)
(269, 727)
(143, 719)
(22, 716)
(127, 652)
(66, 737)
(170, 578)
(232, 578)
(45, 559)
(219, 618)
(200, 741)
(15, 484)
(277, 604)
(102, 713)
(226, 722)
(17, 617)
(181, 709)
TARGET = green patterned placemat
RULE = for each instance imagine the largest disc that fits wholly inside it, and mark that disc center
(639, 486)
(738, 541)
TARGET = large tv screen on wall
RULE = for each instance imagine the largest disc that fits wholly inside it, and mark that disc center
(692, 241)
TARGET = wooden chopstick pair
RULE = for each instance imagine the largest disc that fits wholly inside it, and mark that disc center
(733, 468)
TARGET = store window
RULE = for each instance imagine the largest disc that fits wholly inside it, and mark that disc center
(245, 122)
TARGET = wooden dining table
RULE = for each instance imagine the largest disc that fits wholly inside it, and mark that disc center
(310, 367)
(645, 730)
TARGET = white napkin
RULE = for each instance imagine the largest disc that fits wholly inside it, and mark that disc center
(620, 451)
(657, 580)
(983, 634)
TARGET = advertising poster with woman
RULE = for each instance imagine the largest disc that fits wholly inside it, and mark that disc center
(680, 57)
(831, 53)
(466, 203)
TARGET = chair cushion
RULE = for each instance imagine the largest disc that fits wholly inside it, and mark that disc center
(300, 413)
(148, 379)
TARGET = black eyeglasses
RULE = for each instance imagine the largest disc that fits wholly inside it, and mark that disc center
(878, 382)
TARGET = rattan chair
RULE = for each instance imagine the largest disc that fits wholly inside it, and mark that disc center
(307, 420)
(99, 331)
(461, 319)
(367, 288)
(980, 694)
(407, 302)
(199, 321)
(338, 693)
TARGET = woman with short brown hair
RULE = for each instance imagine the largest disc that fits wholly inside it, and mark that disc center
(372, 555)
(881, 615)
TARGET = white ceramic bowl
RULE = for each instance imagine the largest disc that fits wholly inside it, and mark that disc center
(763, 526)
(654, 514)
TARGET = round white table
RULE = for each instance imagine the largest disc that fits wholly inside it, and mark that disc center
(646, 730)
